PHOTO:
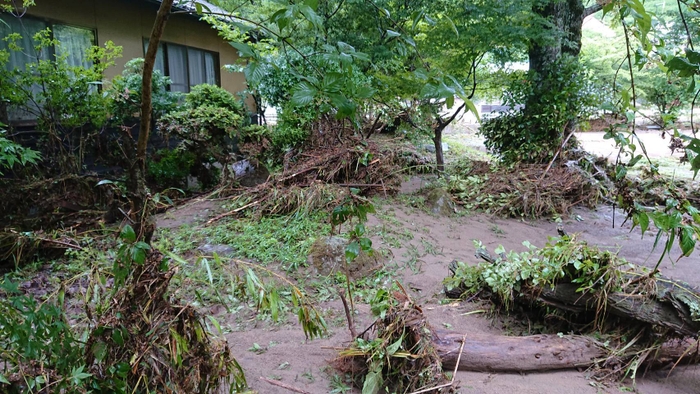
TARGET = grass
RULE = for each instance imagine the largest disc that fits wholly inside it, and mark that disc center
(279, 239)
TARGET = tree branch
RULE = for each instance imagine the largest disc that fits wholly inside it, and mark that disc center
(592, 10)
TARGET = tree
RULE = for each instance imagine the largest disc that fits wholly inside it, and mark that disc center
(140, 212)
(560, 38)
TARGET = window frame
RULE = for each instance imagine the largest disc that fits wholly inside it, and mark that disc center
(166, 64)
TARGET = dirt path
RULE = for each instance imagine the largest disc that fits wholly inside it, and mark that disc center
(421, 245)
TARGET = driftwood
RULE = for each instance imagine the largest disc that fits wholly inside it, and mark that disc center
(656, 301)
(492, 353)
(666, 307)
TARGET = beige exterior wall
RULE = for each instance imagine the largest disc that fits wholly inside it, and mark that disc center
(128, 22)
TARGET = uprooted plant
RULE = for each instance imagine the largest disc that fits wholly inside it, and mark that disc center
(402, 356)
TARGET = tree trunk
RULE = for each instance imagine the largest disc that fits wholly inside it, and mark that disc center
(564, 37)
(141, 214)
(491, 353)
(439, 154)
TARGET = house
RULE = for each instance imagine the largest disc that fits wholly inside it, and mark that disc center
(191, 52)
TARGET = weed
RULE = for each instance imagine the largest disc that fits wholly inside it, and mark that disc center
(309, 375)
(257, 349)
(413, 258)
(340, 384)
(430, 248)
(283, 239)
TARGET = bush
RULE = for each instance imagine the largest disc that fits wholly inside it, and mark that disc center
(533, 135)
(208, 127)
(292, 128)
(206, 95)
(126, 93)
(63, 99)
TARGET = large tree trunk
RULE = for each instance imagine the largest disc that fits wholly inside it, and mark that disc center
(491, 353)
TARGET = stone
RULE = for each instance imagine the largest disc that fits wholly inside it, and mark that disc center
(221, 250)
(440, 202)
(327, 256)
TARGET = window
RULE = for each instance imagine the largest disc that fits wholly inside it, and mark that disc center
(186, 66)
(73, 43)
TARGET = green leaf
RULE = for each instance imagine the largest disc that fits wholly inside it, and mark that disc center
(452, 25)
(128, 234)
(352, 251)
(687, 240)
(373, 382)
(643, 220)
(394, 347)
(693, 56)
(244, 50)
(392, 34)
(303, 94)
(313, 4)
(3, 379)
(366, 244)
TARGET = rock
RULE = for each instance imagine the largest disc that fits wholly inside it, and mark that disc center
(440, 202)
(327, 256)
(431, 147)
(221, 250)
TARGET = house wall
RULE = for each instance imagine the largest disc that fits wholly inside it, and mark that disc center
(128, 22)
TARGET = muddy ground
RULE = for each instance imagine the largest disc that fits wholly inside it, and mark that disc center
(419, 246)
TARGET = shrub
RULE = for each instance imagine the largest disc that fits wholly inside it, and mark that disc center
(208, 127)
(206, 95)
(533, 135)
(126, 93)
(64, 99)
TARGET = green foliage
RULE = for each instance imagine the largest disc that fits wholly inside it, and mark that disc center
(170, 168)
(126, 93)
(282, 239)
(130, 252)
(206, 95)
(533, 135)
(64, 100)
(59, 95)
(515, 272)
(38, 346)
(12, 154)
(293, 127)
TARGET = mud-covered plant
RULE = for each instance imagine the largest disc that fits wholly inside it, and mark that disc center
(401, 358)
(509, 275)
(40, 350)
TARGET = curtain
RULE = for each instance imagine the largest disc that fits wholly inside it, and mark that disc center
(27, 28)
(177, 68)
(210, 68)
(74, 43)
(160, 56)
(195, 60)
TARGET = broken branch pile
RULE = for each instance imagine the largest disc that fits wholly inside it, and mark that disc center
(156, 345)
(524, 190)
(402, 356)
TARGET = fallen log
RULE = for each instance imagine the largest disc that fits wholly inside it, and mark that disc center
(540, 353)
(582, 281)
